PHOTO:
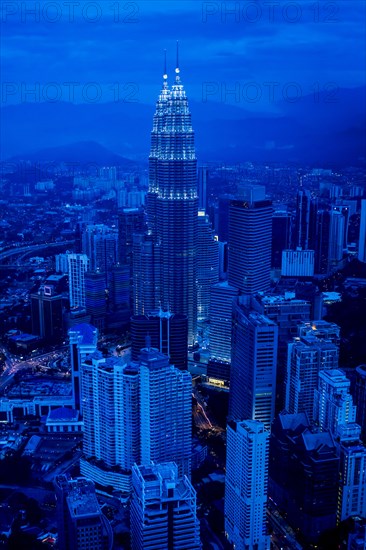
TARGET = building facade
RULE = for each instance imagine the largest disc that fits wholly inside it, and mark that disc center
(246, 485)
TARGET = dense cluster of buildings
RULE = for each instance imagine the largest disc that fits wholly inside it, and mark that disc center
(190, 273)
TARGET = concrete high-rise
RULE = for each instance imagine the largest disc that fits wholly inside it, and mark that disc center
(165, 411)
(80, 520)
(163, 509)
(253, 366)
(78, 265)
(172, 203)
(111, 401)
(246, 485)
(250, 239)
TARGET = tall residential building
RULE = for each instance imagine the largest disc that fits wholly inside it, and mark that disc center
(111, 410)
(83, 339)
(362, 237)
(250, 235)
(172, 203)
(80, 520)
(168, 333)
(163, 509)
(78, 265)
(304, 474)
(246, 485)
(306, 358)
(253, 366)
(207, 264)
(333, 403)
(165, 411)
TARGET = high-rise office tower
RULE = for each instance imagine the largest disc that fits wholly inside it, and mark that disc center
(253, 366)
(207, 264)
(96, 297)
(221, 310)
(362, 237)
(78, 265)
(246, 485)
(360, 398)
(130, 221)
(287, 312)
(83, 340)
(163, 509)
(111, 409)
(329, 240)
(172, 203)
(249, 244)
(304, 474)
(333, 403)
(168, 333)
(281, 235)
(80, 520)
(165, 411)
(304, 233)
(47, 309)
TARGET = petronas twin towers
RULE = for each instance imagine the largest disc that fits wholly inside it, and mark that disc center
(172, 204)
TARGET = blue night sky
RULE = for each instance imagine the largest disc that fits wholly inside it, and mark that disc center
(300, 60)
(259, 43)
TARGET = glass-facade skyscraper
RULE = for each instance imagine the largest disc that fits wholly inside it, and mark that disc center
(172, 204)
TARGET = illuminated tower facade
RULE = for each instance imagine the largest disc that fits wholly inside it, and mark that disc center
(172, 203)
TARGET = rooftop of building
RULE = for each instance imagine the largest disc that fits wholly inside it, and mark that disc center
(81, 498)
(293, 422)
(87, 333)
(287, 297)
(63, 414)
(319, 442)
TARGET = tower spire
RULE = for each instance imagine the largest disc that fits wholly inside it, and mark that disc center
(177, 70)
(165, 75)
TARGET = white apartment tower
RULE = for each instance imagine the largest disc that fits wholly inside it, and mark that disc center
(78, 265)
(165, 411)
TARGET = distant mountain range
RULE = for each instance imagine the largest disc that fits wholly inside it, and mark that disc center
(318, 130)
